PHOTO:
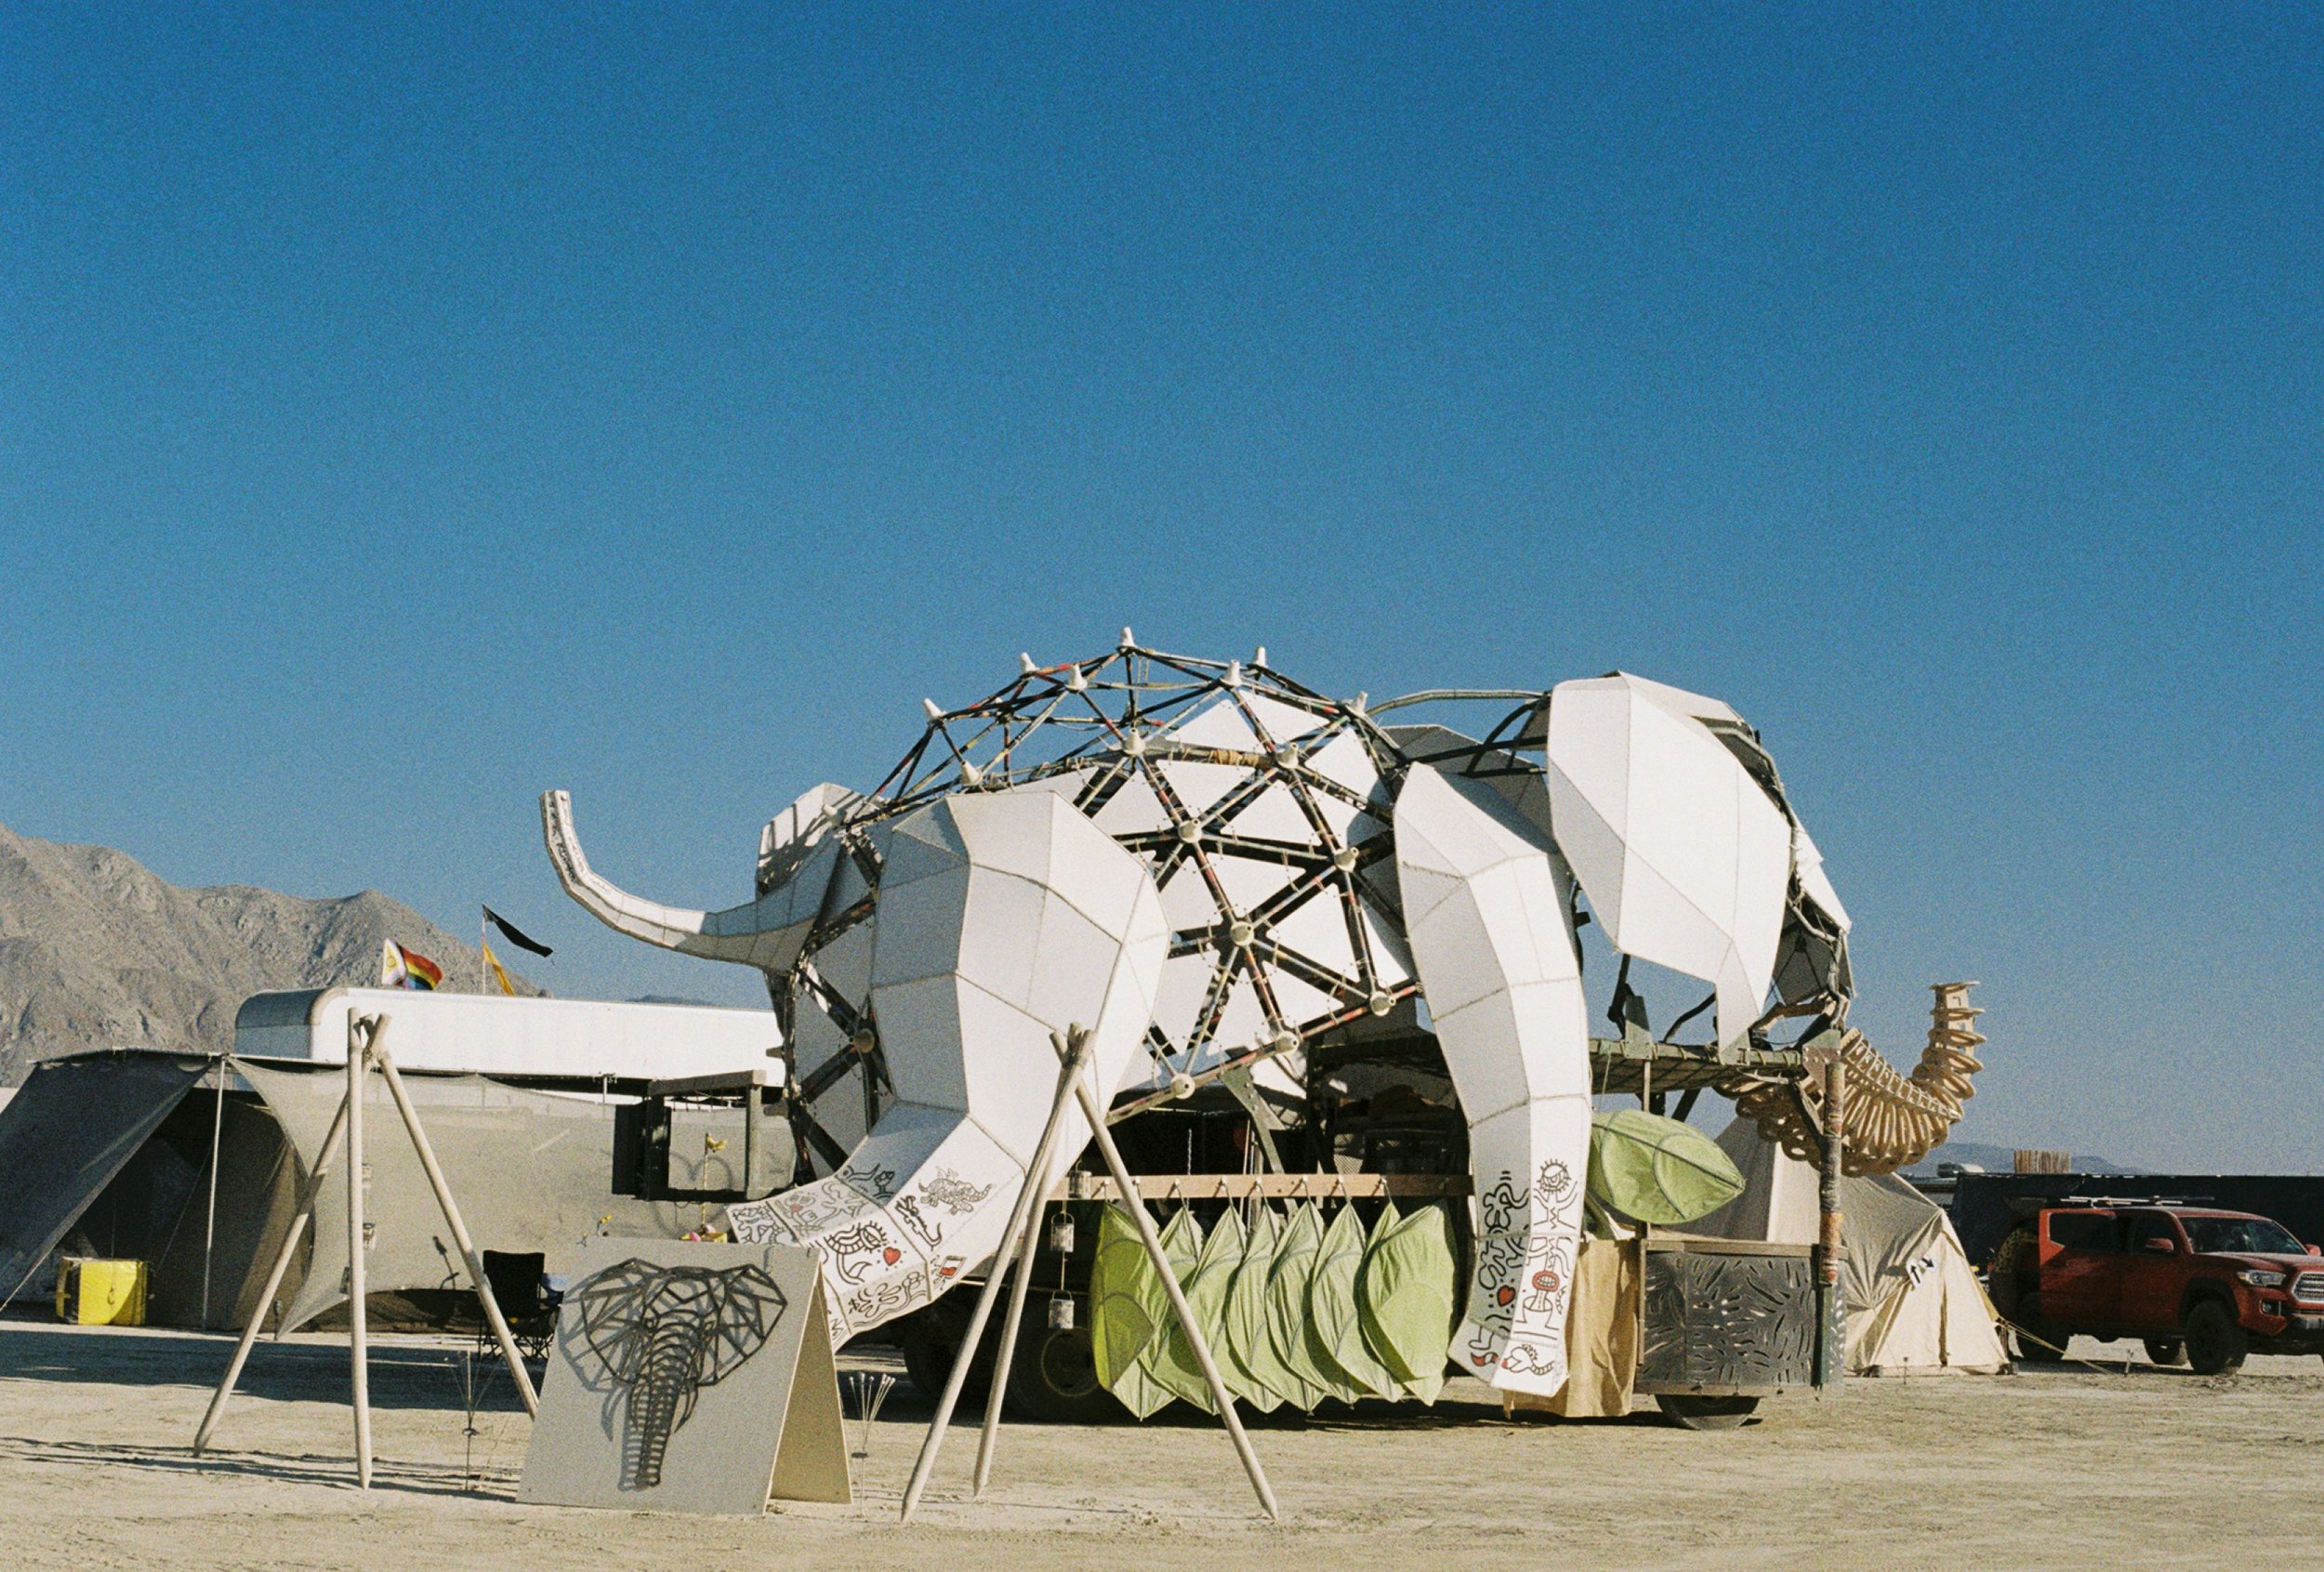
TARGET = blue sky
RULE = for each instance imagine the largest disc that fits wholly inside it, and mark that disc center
(400, 414)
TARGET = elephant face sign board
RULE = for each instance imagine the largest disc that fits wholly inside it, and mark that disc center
(690, 1378)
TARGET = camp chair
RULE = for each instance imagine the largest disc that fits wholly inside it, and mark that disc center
(529, 1303)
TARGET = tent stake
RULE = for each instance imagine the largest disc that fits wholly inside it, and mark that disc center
(1075, 1052)
(305, 1215)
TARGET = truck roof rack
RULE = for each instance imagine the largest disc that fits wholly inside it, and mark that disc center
(2022, 1207)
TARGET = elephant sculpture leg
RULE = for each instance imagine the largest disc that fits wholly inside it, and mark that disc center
(1487, 910)
(1004, 917)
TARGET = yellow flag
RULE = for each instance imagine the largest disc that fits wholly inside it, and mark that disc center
(499, 973)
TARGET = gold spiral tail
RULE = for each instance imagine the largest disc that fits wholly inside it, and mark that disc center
(1890, 1122)
(1950, 1059)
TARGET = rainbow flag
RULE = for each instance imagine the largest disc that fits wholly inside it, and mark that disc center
(399, 968)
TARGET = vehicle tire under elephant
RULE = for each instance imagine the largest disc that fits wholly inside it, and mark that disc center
(2215, 1344)
(2166, 1351)
(929, 1340)
(1691, 1412)
(1053, 1377)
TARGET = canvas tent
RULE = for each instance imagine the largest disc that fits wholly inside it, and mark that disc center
(1914, 1305)
(110, 1153)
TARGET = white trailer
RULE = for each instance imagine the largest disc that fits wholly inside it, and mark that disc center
(529, 1039)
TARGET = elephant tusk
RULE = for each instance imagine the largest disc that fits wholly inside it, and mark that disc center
(766, 933)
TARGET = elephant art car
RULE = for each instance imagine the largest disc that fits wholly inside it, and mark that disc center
(2194, 1284)
(1265, 904)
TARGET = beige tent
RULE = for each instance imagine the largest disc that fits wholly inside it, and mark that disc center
(1914, 1305)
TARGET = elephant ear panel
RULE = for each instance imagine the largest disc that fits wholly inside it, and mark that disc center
(1685, 858)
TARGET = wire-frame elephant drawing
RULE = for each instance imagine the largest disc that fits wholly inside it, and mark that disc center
(651, 1337)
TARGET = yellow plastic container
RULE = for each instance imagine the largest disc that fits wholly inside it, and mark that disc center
(100, 1293)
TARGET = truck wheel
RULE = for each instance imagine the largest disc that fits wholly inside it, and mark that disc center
(1691, 1412)
(2166, 1351)
(930, 1340)
(1053, 1377)
(2040, 1340)
(2215, 1344)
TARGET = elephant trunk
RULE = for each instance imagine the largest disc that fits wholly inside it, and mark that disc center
(767, 932)
(661, 1395)
(1891, 1121)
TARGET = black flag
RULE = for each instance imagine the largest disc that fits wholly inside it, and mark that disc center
(514, 934)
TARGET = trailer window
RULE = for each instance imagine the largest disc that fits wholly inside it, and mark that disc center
(2082, 1230)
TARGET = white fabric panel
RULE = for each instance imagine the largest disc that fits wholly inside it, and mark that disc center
(1247, 881)
(1502, 978)
(1275, 817)
(1217, 724)
(1687, 860)
(994, 948)
(1392, 958)
(1808, 862)
(1345, 759)
(1187, 899)
(845, 963)
(1179, 999)
(926, 1195)
(1284, 722)
(1132, 810)
(1200, 785)
(1317, 928)
(1241, 1023)
(1678, 701)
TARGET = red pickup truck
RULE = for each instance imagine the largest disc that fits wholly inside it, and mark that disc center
(2193, 1283)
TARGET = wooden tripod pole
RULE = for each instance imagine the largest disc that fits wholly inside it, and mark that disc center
(364, 1046)
(1196, 1342)
(1074, 1052)
(1005, 1355)
(305, 1215)
(459, 1230)
(358, 1340)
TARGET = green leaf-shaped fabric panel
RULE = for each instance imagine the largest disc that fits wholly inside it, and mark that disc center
(1247, 1362)
(1206, 1288)
(1409, 1293)
(1118, 1326)
(1657, 1170)
(1182, 1242)
(1286, 1303)
(1335, 1331)
(1129, 1307)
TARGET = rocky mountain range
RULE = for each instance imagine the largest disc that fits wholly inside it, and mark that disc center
(96, 951)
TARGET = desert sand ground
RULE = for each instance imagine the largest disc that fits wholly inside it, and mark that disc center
(2072, 1468)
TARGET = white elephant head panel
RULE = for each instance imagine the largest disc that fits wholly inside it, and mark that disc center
(1006, 919)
